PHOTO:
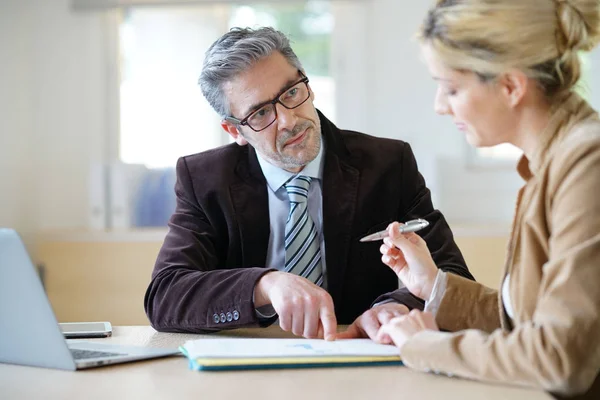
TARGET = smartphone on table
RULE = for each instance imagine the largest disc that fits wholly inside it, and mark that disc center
(81, 330)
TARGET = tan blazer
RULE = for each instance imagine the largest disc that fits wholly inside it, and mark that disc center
(554, 265)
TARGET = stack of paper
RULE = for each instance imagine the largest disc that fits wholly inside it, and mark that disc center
(242, 353)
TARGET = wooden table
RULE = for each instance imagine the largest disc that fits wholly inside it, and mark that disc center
(170, 378)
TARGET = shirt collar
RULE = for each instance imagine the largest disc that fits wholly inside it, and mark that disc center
(276, 176)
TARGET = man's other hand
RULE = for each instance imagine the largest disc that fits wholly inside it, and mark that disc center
(368, 324)
(303, 307)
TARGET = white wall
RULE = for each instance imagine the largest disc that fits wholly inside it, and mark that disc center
(54, 111)
(70, 116)
(15, 124)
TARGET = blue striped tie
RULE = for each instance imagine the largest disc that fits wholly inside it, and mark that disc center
(302, 248)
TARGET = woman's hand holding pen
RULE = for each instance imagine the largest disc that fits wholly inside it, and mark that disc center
(408, 256)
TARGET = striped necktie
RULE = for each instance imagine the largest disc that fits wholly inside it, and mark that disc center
(302, 248)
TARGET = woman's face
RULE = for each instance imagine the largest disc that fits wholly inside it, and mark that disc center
(478, 108)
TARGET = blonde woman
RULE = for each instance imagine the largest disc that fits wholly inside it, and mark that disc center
(507, 72)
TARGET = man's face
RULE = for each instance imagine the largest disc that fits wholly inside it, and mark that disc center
(294, 139)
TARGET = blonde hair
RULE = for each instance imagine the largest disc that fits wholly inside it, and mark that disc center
(542, 38)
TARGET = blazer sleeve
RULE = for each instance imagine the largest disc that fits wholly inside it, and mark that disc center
(187, 292)
(468, 304)
(416, 203)
(559, 348)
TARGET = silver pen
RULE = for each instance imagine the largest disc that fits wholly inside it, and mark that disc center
(409, 226)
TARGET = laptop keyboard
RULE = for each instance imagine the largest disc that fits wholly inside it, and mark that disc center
(85, 354)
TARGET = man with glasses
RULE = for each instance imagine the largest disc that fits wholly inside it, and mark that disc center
(263, 116)
(268, 228)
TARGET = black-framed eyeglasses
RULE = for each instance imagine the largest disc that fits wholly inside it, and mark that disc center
(291, 97)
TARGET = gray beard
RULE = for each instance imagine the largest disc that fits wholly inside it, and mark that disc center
(291, 161)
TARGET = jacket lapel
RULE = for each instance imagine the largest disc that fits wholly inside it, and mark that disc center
(340, 190)
(251, 208)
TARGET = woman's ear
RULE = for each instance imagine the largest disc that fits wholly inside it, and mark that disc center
(234, 132)
(514, 85)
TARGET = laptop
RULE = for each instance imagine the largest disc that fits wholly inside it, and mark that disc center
(29, 332)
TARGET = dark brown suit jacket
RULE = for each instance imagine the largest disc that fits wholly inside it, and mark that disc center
(216, 247)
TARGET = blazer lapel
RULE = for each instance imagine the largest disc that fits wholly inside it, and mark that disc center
(340, 190)
(510, 253)
(251, 208)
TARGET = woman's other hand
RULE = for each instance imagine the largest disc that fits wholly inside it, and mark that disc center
(398, 330)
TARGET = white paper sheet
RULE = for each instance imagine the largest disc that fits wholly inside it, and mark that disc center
(258, 348)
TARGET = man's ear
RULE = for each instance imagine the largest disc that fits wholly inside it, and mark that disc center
(234, 132)
(514, 86)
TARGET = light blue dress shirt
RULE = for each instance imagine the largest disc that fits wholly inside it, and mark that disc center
(279, 208)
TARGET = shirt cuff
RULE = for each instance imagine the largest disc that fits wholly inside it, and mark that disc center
(265, 312)
(386, 301)
(432, 305)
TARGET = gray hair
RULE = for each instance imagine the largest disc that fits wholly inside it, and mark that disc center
(235, 52)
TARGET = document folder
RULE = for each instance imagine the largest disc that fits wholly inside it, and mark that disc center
(241, 353)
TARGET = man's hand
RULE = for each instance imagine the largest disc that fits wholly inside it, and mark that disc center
(400, 329)
(303, 307)
(368, 324)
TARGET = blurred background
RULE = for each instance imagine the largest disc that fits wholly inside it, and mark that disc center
(98, 99)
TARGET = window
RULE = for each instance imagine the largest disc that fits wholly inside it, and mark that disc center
(163, 114)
